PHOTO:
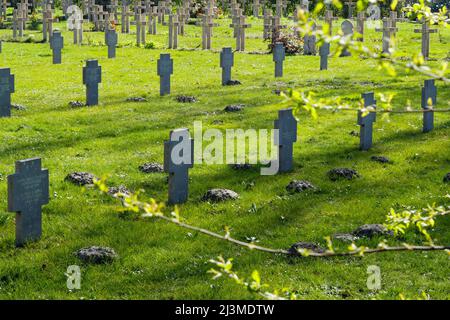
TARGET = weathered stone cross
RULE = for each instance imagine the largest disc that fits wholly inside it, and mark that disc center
(240, 31)
(178, 159)
(92, 76)
(207, 25)
(361, 18)
(111, 42)
(287, 135)
(324, 52)
(173, 31)
(56, 44)
(278, 58)
(329, 20)
(6, 88)
(388, 32)
(226, 62)
(28, 190)
(425, 37)
(429, 95)
(165, 69)
(366, 122)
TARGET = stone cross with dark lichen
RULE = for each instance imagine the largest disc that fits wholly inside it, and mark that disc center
(28, 190)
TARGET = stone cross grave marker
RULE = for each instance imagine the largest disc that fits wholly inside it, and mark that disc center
(361, 18)
(429, 95)
(280, 7)
(425, 31)
(177, 164)
(350, 4)
(304, 5)
(47, 23)
(4, 7)
(161, 11)
(6, 88)
(240, 31)
(92, 76)
(309, 41)
(226, 62)
(125, 17)
(173, 31)
(28, 190)
(21, 19)
(140, 29)
(256, 7)
(267, 20)
(15, 23)
(152, 15)
(276, 28)
(388, 32)
(56, 44)
(181, 12)
(111, 42)
(347, 29)
(366, 122)
(287, 135)
(77, 27)
(112, 8)
(324, 52)
(207, 25)
(329, 20)
(278, 57)
(165, 69)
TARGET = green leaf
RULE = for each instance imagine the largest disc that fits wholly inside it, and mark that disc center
(256, 277)
(394, 4)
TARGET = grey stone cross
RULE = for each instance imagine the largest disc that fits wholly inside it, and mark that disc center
(6, 88)
(388, 32)
(278, 58)
(226, 62)
(28, 190)
(111, 42)
(56, 44)
(324, 52)
(178, 159)
(366, 122)
(287, 135)
(165, 69)
(429, 95)
(329, 20)
(350, 4)
(173, 31)
(309, 41)
(361, 18)
(425, 31)
(92, 76)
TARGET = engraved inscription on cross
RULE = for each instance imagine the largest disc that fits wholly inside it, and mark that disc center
(27, 192)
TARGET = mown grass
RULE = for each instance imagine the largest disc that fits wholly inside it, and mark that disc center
(161, 261)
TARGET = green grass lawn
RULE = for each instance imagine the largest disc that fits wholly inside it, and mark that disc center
(161, 261)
